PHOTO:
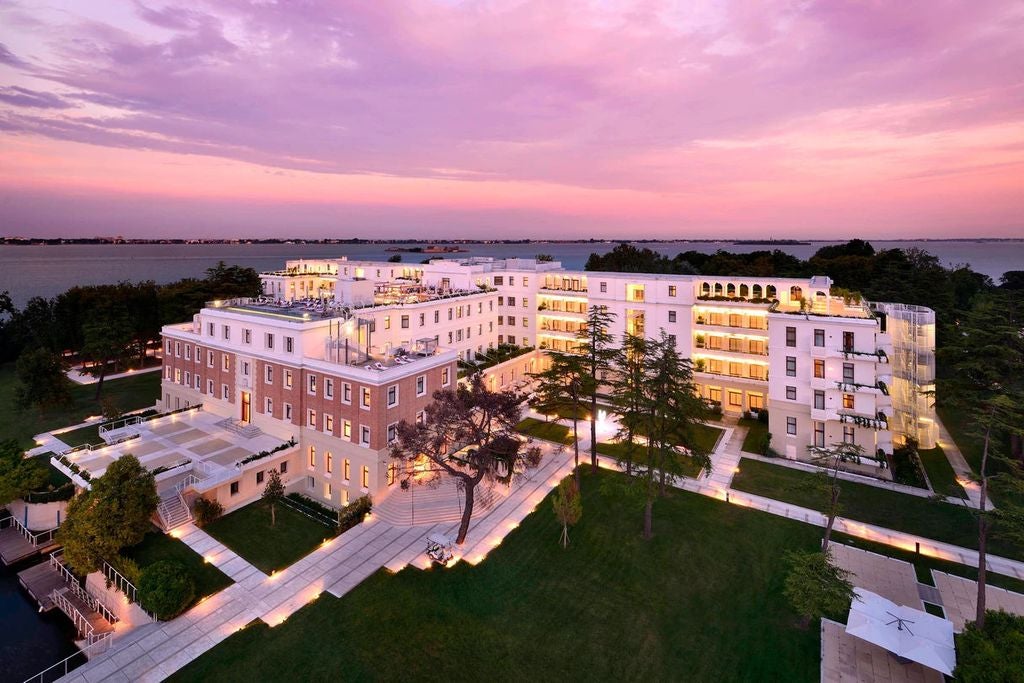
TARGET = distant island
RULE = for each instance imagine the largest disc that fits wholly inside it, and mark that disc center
(778, 243)
(433, 249)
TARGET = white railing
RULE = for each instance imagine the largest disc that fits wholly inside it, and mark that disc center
(97, 644)
(130, 421)
(82, 625)
(34, 538)
(76, 588)
(190, 480)
(118, 580)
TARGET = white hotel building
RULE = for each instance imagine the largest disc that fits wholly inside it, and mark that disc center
(336, 352)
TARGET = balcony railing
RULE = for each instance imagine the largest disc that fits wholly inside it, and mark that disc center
(879, 422)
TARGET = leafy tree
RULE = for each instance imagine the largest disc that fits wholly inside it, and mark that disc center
(626, 258)
(544, 258)
(992, 651)
(562, 387)
(628, 384)
(19, 475)
(568, 507)
(166, 588)
(42, 382)
(113, 515)
(205, 510)
(832, 457)
(273, 492)
(1012, 279)
(595, 347)
(233, 281)
(395, 258)
(469, 434)
(107, 339)
(816, 587)
(986, 383)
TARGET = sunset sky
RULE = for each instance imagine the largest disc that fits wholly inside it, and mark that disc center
(437, 118)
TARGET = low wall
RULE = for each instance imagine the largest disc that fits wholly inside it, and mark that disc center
(504, 375)
(130, 614)
(39, 516)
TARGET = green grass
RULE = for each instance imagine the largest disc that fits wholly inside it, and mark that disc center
(940, 472)
(619, 450)
(157, 546)
(91, 433)
(127, 393)
(756, 432)
(702, 600)
(865, 503)
(247, 531)
(549, 431)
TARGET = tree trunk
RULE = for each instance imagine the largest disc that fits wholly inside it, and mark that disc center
(565, 535)
(593, 432)
(982, 532)
(648, 506)
(467, 511)
(99, 384)
(831, 521)
(576, 446)
(273, 515)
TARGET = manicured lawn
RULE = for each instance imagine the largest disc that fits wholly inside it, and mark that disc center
(756, 433)
(619, 451)
(940, 472)
(701, 601)
(91, 433)
(128, 393)
(957, 423)
(865, 503)
(247, 531)
(549, 431)
(157, 546)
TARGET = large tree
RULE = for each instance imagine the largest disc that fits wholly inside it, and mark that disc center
(992, 651)
(827, 484)
(596, 346)
(816, 587)
(114, 514)
(107, 338)
(561, 389)
(468, 433)
(42, 382)
(18, 475)
(273, 492)
(628, 382)
(986, 384)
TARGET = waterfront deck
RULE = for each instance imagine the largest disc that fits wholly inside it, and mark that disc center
(40, 581)
(14, 546)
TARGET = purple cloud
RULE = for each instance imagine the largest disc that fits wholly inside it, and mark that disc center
(24, 97)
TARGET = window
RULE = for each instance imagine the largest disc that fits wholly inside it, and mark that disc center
(671, 290)
(234, 488)
(284, 467)
(328, 423)
(311, 418)
(287, 379)
(819, 399)
(224, 391)
(791, 425)
(346, 429)
(790, 366)
(364, 435)
(270, 341)
(247, 336)
(735, 398)
(365, 400)
(311, 387)
(791, 393)
(365, 482)
(289, 344)
(421, 417)
(819, 337)
(849, 434)
(226, 364)
(603, 287)
(847, 341)
(268, 406)
(405, 322)
(387, 322)
(259, 477)
(421, 385)
(392, 396)
(209, 359)
(227, 332)
(310, 483)
(188, 352)
(446, 376)
(848, 401)
(715, 395)
(269, 374)
(346, 393)
(526, 302)
(392, 432)
(346, 469)
(755, 401)
(312, 456)
(671, 316)
(819, 434)
(819, 368)
(209, 386)
(848, 373)
(209, 329)
(329, 461)
(328, 388)
(499, 279)
(328, 493)
(790, 336)
(437, 316)
(288, 411)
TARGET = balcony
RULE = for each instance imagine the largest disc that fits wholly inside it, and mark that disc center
(878, 422)
(554, 290)
(851, 387)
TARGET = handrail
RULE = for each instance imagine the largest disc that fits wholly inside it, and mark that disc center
(81, 622)
(101, 642)
(120, 582)
(72, 582)
(33, 538)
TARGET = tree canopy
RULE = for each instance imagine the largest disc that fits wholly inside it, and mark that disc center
(18, 475)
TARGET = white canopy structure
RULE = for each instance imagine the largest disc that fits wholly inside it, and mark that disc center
(906, 632)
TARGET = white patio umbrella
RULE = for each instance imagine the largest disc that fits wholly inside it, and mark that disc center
(906, 632)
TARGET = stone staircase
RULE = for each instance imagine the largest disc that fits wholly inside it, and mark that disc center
(245, 430)
(438, 501)
(172, 511)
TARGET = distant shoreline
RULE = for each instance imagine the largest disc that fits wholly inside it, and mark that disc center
(118, 241)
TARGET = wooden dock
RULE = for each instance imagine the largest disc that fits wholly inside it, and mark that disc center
(14, 547)
(40, 581)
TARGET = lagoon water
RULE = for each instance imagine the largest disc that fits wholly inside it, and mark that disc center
(27, 271)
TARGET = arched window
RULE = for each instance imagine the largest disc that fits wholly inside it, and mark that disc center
(730, 289)
(795, 293)
(718, 289)
(756, 291)
(744, 291)
(705, 289)
(770, 292)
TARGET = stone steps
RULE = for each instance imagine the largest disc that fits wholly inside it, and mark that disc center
(433, 503)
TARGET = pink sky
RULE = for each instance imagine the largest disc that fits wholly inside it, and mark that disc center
(416, 118)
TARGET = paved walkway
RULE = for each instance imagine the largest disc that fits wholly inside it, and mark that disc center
(964, 474)
(79, 376)
(960, 598)
(846, 659)
(155, 651)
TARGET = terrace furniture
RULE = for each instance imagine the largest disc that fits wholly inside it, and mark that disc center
(379, 365)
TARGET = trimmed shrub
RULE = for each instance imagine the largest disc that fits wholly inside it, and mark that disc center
(354, 513)
(205, 511)
(166, 588)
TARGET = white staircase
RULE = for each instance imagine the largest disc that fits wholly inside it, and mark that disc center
(172, 510)
(438, 501)
(245, 430)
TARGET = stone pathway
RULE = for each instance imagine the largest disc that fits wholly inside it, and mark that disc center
(964, 473)
(80, 377)
(155, 651)
(960, 598)
(846, 659)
